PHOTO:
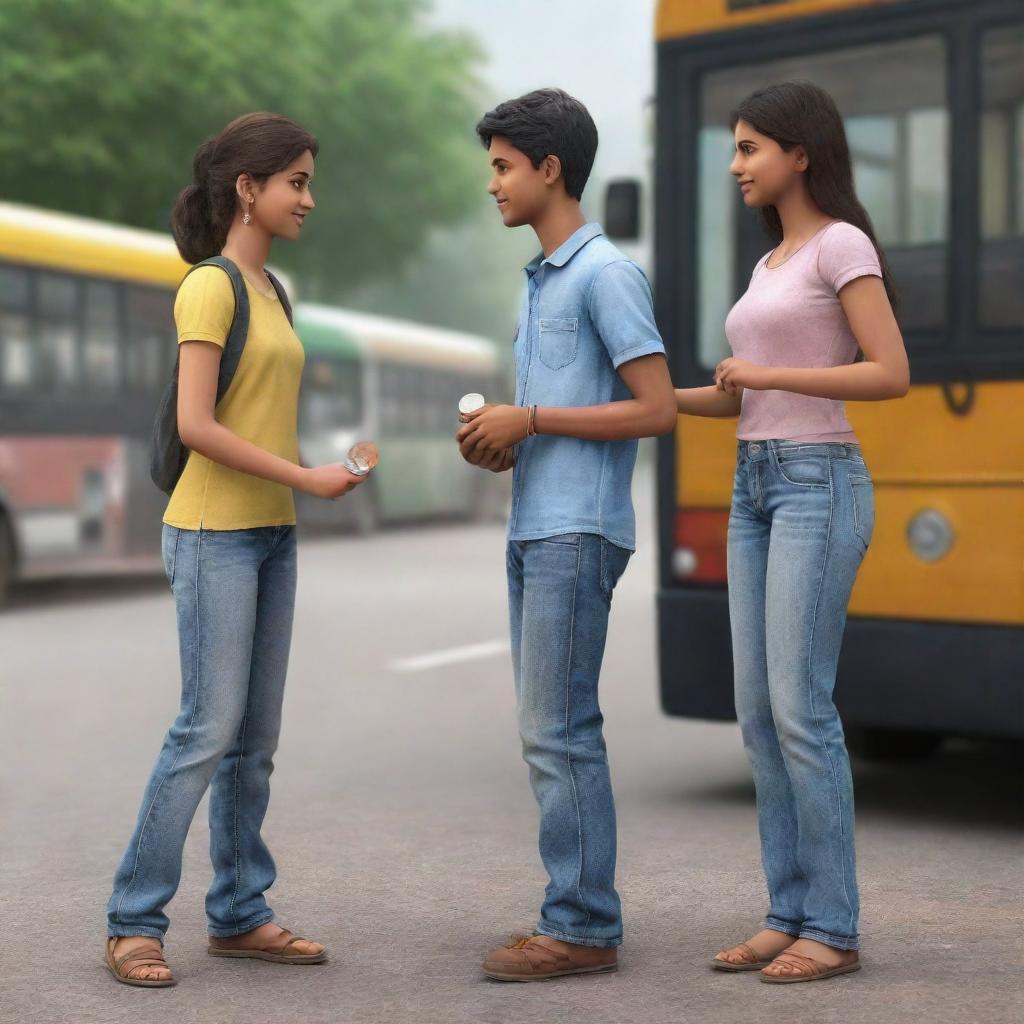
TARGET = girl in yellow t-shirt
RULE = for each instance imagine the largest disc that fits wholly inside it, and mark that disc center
(229, 553)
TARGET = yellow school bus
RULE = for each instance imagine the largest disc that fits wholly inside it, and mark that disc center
(932, 94)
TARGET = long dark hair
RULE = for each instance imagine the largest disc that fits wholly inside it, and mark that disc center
(802, 114)
(255, 144)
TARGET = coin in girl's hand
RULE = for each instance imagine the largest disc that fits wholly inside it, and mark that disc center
(362, 457)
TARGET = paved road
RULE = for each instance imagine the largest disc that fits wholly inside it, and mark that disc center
(404, 829)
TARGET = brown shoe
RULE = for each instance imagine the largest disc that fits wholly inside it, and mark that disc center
(136, 966)
(539, 957)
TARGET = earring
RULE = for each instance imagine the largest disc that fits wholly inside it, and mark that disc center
(247, 217)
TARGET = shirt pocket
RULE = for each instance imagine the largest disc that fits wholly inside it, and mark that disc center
(559, 340)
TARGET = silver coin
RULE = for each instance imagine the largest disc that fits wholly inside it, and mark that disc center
(471, 402)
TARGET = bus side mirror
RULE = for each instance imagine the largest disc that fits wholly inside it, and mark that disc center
(622, 210)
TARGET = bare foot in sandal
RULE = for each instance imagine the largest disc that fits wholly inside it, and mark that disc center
(754, 953)
(138, 960)
(269, 942)
(807, 960)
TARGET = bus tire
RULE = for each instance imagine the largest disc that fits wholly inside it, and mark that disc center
(893, 745)
(8, 558)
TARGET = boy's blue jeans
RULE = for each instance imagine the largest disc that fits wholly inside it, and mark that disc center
(560, 592)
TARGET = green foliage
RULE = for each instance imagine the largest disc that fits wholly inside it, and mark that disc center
(105, 101)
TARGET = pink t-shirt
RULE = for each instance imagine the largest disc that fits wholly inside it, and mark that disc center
(790, 315)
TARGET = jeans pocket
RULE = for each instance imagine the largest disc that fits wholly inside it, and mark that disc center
(559, 337)
(169, 550)
(863, 506)
(613, 564)
(805, 470)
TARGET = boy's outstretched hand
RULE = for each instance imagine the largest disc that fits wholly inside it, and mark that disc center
(493, 429)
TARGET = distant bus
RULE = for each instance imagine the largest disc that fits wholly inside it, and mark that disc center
(932, 94)
(397, 383)
(86, 344)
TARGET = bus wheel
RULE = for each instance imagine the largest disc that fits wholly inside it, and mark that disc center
(891, 744)
(6, 559)
(363, 511)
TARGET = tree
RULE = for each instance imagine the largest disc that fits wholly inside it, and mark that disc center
(105, 101)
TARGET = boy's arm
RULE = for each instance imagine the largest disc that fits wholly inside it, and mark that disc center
(619, 303)
(651, 411)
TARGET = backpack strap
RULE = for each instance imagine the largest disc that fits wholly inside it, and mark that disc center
(282, 295)
(239, 329)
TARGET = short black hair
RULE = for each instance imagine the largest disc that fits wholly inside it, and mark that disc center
(547, 122)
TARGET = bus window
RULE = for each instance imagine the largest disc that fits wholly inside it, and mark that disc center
(101, 340)
(893, 99)
(390, 400)
(15, 333)
(1001, 179)
(58, 319)
(331, 395)
(149, 341)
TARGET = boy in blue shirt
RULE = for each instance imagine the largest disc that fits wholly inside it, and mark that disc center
(591, 378)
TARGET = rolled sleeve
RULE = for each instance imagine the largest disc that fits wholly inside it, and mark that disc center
(621, 309)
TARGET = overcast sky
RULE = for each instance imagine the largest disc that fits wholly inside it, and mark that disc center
(601, 51)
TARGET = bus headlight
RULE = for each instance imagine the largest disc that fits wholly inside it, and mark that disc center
(684, 562)
(930, 535)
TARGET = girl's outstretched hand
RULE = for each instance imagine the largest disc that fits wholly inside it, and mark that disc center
(330, 481)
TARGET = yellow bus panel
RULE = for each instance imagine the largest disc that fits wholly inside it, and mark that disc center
(80, 245)
(921, 456)
(677, 18)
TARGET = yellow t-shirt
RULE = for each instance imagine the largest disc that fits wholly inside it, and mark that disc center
(261, 405)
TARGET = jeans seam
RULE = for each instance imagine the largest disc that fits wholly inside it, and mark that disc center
(174, 555)
(810, 691)
(568, 755)
(238, 765)
(181, 748)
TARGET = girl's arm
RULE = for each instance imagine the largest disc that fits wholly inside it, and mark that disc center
(708, 401)
(200, 432)
(884, 373)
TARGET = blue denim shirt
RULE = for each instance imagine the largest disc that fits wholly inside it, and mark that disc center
(586, 311)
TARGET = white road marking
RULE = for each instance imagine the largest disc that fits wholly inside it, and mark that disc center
(451, 656)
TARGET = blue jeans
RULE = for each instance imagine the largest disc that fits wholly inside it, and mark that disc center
(560, 592)
(801, 520)
(235, 595)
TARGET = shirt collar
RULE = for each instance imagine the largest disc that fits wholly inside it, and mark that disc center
(567, 249)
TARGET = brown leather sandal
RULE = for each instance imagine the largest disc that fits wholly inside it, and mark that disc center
(123, 967)
(750, 962)
(276, 952)
(805, 968)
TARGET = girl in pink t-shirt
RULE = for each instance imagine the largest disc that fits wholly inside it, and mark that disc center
(802, 510)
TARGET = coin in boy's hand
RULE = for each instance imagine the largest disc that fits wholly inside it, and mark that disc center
(470, 403)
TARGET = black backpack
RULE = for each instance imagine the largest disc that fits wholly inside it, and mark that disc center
(167, 455)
